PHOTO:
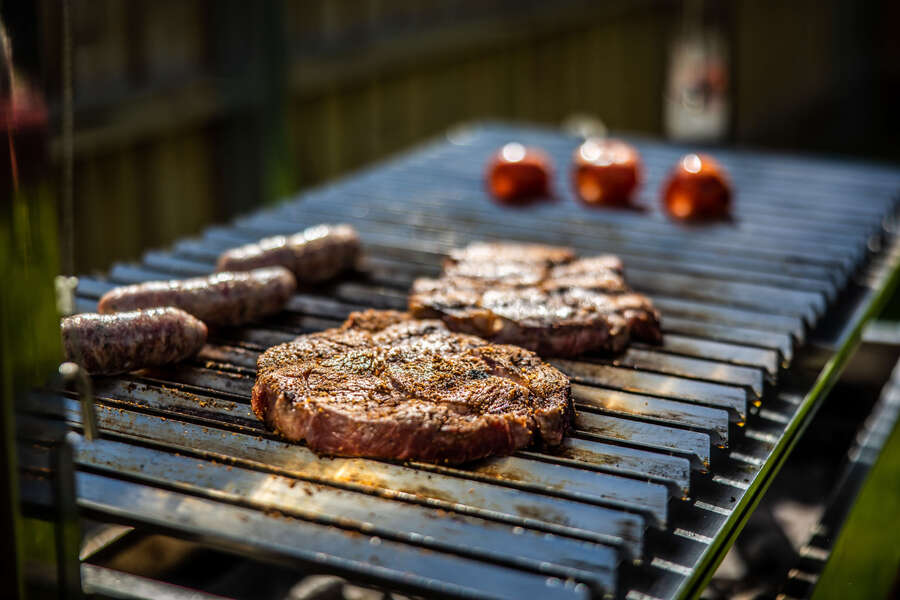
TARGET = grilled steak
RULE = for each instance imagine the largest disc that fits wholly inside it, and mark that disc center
(107, 344)
(313, 255)
(533, 254)
(539, 297)
(386, 386)
(219, 299)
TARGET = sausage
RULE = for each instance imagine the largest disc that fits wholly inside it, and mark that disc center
(109, 344)
(315, 254)
(219, 299)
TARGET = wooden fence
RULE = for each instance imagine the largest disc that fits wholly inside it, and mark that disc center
(190, 111)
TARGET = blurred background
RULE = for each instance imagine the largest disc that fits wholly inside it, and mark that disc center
(133, 123)
(186, 112)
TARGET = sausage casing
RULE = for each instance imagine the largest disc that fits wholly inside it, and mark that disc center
(219, 299)
(315, 254)
(108, 344)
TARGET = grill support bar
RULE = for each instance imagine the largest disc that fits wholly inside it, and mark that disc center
(694, 585)
(651, 422)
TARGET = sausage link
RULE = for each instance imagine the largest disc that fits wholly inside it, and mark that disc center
(219, 299)
(315, 254)
(108, 344)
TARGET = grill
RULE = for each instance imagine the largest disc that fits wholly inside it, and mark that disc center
(674, 445)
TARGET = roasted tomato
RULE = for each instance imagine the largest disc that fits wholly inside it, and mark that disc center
(606, 172)
(697, 189)
(518, 174)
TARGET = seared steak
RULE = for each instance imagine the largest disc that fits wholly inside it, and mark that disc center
(539, 297)
(386, 386)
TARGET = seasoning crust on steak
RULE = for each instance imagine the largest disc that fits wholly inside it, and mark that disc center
(539, 297)
(384, 385)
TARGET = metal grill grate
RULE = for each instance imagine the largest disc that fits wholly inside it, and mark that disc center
(671, 441)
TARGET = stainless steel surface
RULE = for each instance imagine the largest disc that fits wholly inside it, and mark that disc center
(72, 374)
(668, 439)
(515, 507)
(731, 398)
(116, 584)
(366, 557)
(487, 540)
(101, 537)
(712, 421)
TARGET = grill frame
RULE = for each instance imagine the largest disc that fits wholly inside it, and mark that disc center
(789, 406)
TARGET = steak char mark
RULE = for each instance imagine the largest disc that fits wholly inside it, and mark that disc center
(542, 298)
(386, 386)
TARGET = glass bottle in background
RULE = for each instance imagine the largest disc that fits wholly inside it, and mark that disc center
(697, 101)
